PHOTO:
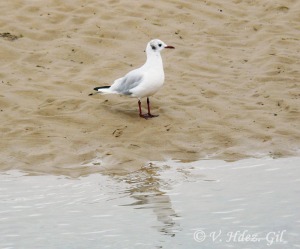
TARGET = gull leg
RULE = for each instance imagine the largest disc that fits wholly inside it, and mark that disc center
(140, 108)
(145, 116)
(149, 113)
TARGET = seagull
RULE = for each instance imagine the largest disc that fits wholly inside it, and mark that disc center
(141, 82)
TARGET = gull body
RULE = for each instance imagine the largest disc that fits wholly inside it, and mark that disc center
(144, 81)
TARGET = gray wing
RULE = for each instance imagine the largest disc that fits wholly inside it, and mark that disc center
(128, 82)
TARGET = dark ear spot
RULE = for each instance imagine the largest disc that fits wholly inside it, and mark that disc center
(153, 47)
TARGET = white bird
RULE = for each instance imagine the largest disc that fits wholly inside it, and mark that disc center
(144, 81)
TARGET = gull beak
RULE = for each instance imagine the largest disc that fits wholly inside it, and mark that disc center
(169, 47)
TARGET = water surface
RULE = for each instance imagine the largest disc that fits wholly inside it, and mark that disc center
(252, 203)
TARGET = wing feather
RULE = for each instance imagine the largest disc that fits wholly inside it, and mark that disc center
(127, 83)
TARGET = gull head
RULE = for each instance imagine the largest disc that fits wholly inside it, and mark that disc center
(157, 45)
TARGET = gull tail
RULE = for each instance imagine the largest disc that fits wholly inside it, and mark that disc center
(101, 89)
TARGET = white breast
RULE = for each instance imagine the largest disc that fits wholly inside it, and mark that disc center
(153, 80)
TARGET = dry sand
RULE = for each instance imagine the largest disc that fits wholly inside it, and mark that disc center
(231, 90)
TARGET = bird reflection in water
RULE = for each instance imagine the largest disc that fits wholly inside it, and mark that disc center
(150, 192)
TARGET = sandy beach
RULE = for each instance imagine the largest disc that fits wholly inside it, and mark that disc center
(231, 88)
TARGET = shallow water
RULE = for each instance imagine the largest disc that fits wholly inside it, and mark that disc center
(252, 203)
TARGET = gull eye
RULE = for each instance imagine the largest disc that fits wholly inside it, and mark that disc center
(159, 44)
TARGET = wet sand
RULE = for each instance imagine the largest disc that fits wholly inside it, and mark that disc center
(231, 89)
